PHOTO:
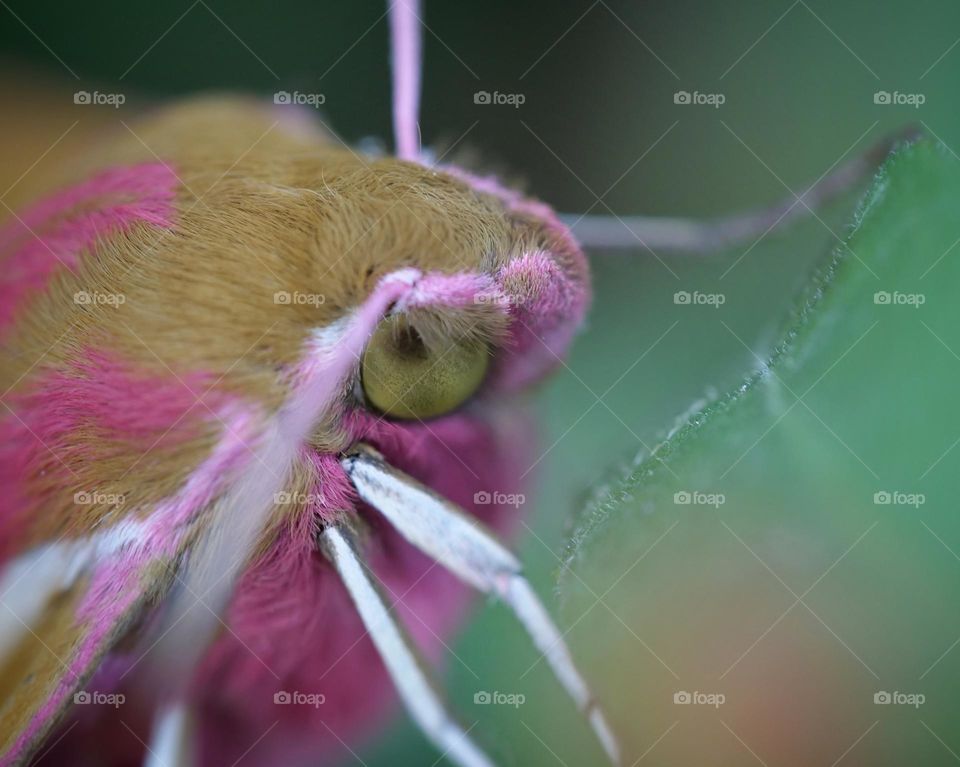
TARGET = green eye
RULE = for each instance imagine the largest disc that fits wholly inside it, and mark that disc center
(402, 378)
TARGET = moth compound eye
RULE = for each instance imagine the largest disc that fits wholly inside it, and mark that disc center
(404, 379)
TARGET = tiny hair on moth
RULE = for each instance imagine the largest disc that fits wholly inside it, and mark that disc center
(266, 410)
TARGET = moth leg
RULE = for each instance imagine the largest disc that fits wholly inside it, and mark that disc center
(408, 671)
(172, 743)
(462, 545)
(715, 234)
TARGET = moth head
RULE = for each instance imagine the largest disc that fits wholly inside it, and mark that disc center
(492, 315)
(282, 251)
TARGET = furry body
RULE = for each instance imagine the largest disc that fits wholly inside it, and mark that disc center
(144, 353)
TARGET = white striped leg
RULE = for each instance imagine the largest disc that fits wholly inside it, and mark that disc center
(406, 668)
(172, 743)
(461, 544)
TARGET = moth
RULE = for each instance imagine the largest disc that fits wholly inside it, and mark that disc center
(263, 409)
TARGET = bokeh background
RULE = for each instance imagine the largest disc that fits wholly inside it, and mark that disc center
(599, 131)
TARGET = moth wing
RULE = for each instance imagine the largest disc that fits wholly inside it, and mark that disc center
(66, 605)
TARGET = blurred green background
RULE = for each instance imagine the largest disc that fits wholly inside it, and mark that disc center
(599, 120)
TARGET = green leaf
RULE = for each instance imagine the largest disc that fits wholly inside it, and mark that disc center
(795, 545)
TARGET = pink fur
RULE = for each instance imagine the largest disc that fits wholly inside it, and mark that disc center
(132, 410)
(291, 616)
(295, 629)
(238, 521)
(452, 290)
(544, 303)
(54, 233)
(328, 360)
(543, 319)
(120, 601)
(137, 407)
(292, 625)
(546, 317)
(117, 582)
(233, 452)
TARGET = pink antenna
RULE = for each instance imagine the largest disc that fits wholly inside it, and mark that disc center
(405, 54)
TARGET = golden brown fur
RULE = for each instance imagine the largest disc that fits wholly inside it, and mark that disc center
(264, 205)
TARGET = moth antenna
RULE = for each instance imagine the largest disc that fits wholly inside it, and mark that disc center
(714, 234)
(172, 743)
(408, 671)
(406, 46)
(461, 544)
